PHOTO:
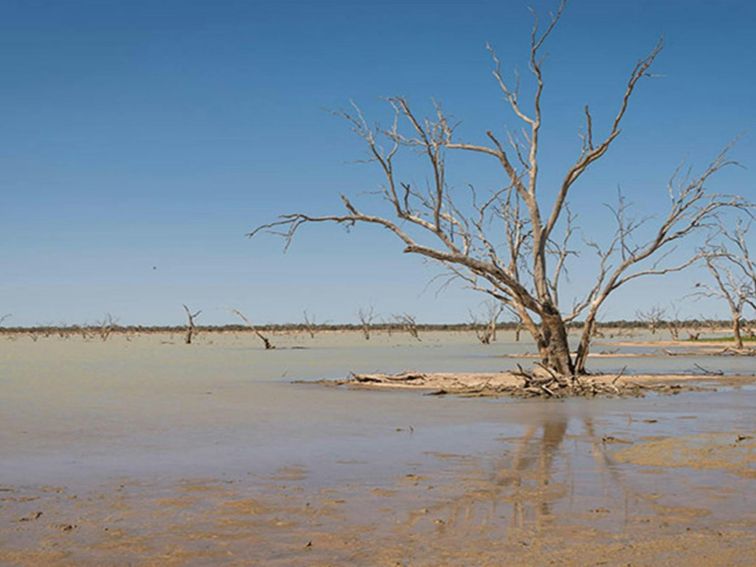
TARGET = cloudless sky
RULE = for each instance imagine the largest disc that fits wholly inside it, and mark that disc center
(141, 140)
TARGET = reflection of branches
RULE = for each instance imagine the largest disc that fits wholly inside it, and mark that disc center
(604, 462)
(510, 479)
(538, 456)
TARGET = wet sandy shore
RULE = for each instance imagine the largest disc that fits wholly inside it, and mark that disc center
(150, 453)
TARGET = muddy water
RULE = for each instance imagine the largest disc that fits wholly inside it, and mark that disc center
(152, 452)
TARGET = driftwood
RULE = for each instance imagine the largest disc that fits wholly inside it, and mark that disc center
(406, 377)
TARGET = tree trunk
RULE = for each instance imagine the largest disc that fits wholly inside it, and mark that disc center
(584, 346)
(736, 330)
(554, 346)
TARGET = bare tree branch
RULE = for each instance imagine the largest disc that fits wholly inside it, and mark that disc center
(498, 242)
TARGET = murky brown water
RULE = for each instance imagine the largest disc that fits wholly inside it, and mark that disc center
(153, 452)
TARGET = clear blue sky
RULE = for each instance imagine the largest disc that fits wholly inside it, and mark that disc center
(141, 134)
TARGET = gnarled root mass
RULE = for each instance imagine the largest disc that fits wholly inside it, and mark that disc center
(520, 384)
(552, 385)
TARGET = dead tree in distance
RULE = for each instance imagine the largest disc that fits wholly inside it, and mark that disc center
(733, 273)
(106, 327)
(486, 330)
(653, 317)
(263, 338)
(408, 322)
(190, 317)
(462, 231)
(366, 315)
(309, 324)
(674, 323)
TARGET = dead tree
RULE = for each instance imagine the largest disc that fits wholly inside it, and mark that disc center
(518, 326)
(673, 322)
(263, 338)
(388, 324)
(653, 318)
(190, 317)
(733, 273)
(3, 318)
(408, 322)
(106, 327)
(310, 325)
(366, 315)
(507, 243)
(486, 330)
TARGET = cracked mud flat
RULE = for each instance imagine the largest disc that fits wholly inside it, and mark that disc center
(152, 454)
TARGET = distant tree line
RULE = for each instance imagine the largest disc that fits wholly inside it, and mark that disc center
(306, 328)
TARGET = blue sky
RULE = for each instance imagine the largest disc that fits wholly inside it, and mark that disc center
(141, 140)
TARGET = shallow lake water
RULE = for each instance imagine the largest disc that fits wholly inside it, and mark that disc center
(155, 415)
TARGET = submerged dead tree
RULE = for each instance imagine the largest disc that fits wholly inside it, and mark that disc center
(674, 323)
(486, 329)
(408, 322)
(106, 327)
(733, 273)
(512, 242)
(190, 317)
(268, 345)
(653, 317)
(310, 324)
(366, 315)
